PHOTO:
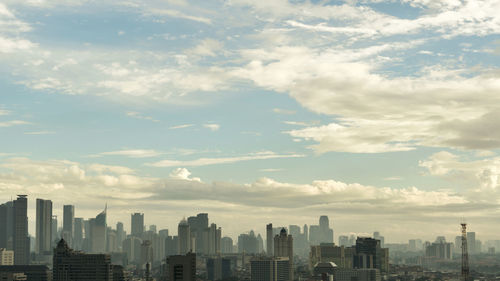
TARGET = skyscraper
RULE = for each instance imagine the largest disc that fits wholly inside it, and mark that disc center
(43, 245)
(6, 231)
(137, 224)
(184, 236)
(283, 247)
(21, 241)
(97, 237)
(269, 239)
(68, 223)
(78, 234)
(270, 269)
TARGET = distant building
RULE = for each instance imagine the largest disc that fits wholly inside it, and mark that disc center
(97, 231)
(6, 220)
(68, 224)
(269, 240)
(137, 224)
(321, 233)
(25, 272)
(440, 250)
(78, 234)
(69, 265)
(226, 245)
(344, 241)
(6, 257)
(270, 269)
(184, 236)
(182, 267)
(21, 240)
(283, 247)
(325, 270)
(43, 244)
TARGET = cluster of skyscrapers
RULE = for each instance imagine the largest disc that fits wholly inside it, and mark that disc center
(90, 249)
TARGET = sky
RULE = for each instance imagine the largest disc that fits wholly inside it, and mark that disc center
(381, 114)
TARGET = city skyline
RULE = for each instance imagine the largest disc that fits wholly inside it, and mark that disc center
(380, 114)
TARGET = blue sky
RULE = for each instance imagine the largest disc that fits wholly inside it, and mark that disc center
(267, 110)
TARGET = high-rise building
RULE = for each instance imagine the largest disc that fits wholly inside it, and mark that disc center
(269, 240)
(68, 224)
(21, 240)
(283, 247)
(97, 230)
(120, 234)
(270, 269)
(184, 234)
(226, 245)
(344, 241)
(198, 226)
(171, 245)
(321, 233)
(248, 243)
(6, 221)
(182, 267)
(471, 243)
(369, 254)
(137, 224)
(69, 265)
(55, 235)
(43, 244)
(78, 234)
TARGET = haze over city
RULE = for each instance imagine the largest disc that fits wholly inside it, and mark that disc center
(382, 115)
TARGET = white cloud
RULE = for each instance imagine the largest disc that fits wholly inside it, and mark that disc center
(75, 183)
(11, 123)
(40, 133)
(133, 153)
(183, 174)
(182, 126)
(284, 111)
(213, 127)
(222, 160)
(4, 112)
(138, 115)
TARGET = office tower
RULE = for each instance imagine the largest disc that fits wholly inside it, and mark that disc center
(152, 228)
(43, 245)
(97, 237)
(321, 233)
(78, 234)
(120, 234)
(6, 257)
(269, 239)
(171, 245)
(471, 243)
(182, 267)
(111, 240)
(248, 243)
(132, 246)
(218, 268)
(226, 245)
(69, 265)
(137, 224)
(163, 233)
(270, 269)
(200, 231)
(283, 247)
(184, 234)
(55, 235)
(68, 226)
(21, 241)
(6, 221)
(369, 254)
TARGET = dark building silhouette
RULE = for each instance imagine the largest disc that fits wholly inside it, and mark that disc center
(6, 231)
(43, 245)
(182, 267)
(270, 269)
(32, 272)
(218, 268)
(21, 240)
(70, 265)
